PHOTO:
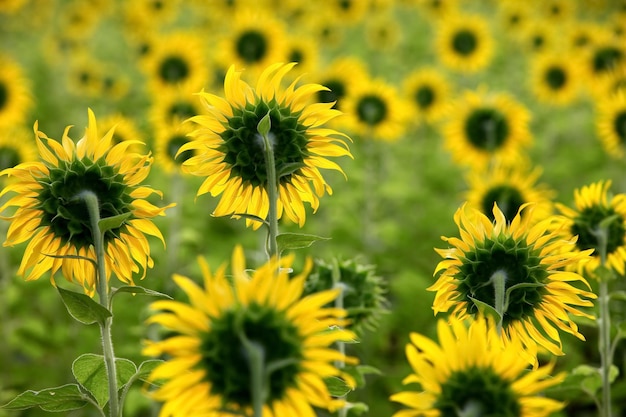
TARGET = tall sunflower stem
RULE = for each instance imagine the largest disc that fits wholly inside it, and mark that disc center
(102, 288)
(498, 280)
(272, 186)
(256, 361)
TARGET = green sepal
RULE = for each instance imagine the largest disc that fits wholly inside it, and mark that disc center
(83, 308)
(90, 372)
(358, 372)
(113, 222)
(337, 387)
(135, 289)
(264, 125)
(59, 399)
(296, 241)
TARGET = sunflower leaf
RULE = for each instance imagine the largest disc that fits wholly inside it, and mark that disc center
(296, 241)
(58, 399)
(90, 372)
(146, 368)
(357, 408)
(289, 168)
(113, 222)
(135, 289)
(250, 217)
(83, 308)
(486, 309)
(337, 387)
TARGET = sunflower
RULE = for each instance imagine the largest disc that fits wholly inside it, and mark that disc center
(382, 33)
(429, 93)
(375, 110)
(140, 15)
(304, 51)
(596, 216)
(539, 36)
(208, 370)
(611, 124)
(124, 129)
(168, 141)
(346, 12)
(603, 57)
(581, 35)
(555, 78)
(515, 268)
(514, 17)
(464, 43)
(487, 127)
(52, 216)
(84, 77)
(437, 9)
(340, 78)
(557, 11)
(15, 95)
(230, 152)
(509, 187)
(172, 107)
(470, 373)
(177, 61)
(16, 147)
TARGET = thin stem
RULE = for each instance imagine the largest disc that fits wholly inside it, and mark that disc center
(256, 360)
(272, 192)
(102, 287)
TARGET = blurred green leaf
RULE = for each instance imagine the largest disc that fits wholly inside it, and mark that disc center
(64, 398)
(83, 308)
(337, 387)
(135, 289)
(296, 241)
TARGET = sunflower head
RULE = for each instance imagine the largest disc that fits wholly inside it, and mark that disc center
(515, 269)
(211, 341)
(464, 42)
(470, 372)
(52, 215)
(230, 150)
(611, 123)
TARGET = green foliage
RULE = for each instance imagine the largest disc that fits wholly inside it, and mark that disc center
(83, 308)
(64, 398)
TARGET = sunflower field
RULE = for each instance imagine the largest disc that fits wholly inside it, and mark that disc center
(313, 208)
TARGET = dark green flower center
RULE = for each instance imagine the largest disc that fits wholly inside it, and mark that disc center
(174, 69)
(181, 110)
(509, 201)
(296, 55)
(9, 157)
(519, 263)
(251, 46)
(4, 95)
(465, 42)
(345, 4)
(226, 360)
(607, 58)
(424, 96)
(336, 91)
(537, 41)
(587, 224)
(477, 392)
(372, 109)
(556, 78)
(514, 19)
(173, 145)
(243, 147)
(66, 215)
(487, 129)
(619, 124)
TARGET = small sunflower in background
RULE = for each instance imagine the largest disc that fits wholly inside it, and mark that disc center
(230, 149)
(124, 129)
(580, 35)
(510, 187)
(375, 110)
(464, 42)
(603, 57)
(256, 40)
(557, 11)
(176, 62)
(555, 78)
(346, 12)
(303, 50)
(437, 9)
(429, 93)
(140, 15)
(597, 216)
(168, 140)
(51, 216)
(382, 32)
(485, 127)
(514, 17)
(470, 372)
(77, 20)
(211, 340)
(611, 124)
(516, 268)
(83, 77)
(16, 147)
(15, 94)
(171, 108)
(539, 36)
(340, 78)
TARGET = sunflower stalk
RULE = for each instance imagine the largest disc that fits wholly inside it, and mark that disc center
(102, 288)
(341, 346)
(498, 280)
(264, 126)
(256, 361)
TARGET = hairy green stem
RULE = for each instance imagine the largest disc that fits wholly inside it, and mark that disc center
(256, 361)
(498, 280)
(272, 192)
(102, 287)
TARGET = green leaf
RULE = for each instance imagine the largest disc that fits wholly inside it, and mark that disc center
(64, 398)
(618, 295)
(135, 289)
(486, 309)
(250, 217)
(337, 387)
(113, 222)
(592, 379)
(146, 368)
(90, 372)
(296, 241)
(289, 168)
(83, 308)
(358, 372)
(265, 124)
(357, 408)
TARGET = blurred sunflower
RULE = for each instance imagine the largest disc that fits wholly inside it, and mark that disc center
(77, 20)
(382, 33)
(509, 187)
(53, 218)
(16, 147)
(611, 123)
(557, 11)
(346, 12)
(470, 373)
(124, 129)
(516, 268)
(256, 40)
(514, 17)
(15, 94)
(140, 15)
(600, 224)
(539, 36)
(12, 7)
(340, 78)
(555, 78)
(437, 9)
(167, 142)
(304, 51)
(83, 77)
(487, 127)
(428, 92)
(230, 150)
(211, 340)
(374, 110)
(604, 56)
(580, 35)
(463, 42)
(177, 61)
(172, 107)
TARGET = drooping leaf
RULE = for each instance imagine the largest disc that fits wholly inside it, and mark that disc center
(58, 399)
(296, 241)
(83, 308)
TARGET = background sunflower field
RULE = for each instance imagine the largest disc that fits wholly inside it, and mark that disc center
(401, 81)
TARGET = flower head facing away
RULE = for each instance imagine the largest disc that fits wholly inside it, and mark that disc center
(209, 372)
(52, 215)
(230, 150)
(516, 269)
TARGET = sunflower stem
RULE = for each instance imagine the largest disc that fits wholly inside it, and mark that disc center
(272, 185)
(341, 346)
(256, 360)
(498, 279)
(102, 287)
